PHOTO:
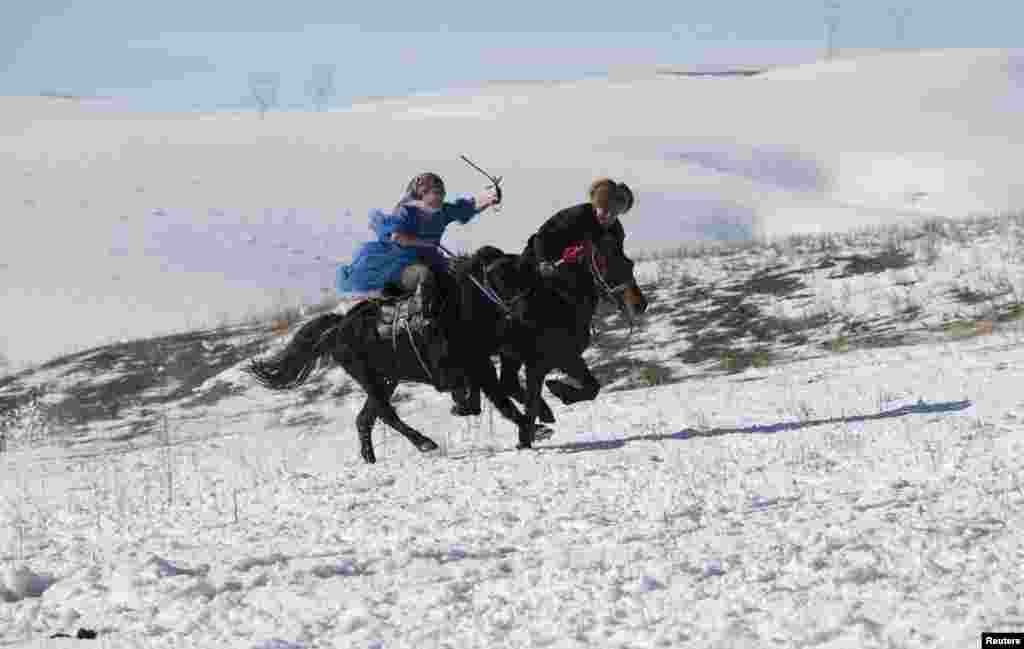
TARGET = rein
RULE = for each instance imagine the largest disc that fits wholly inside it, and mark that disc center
(611, 293)
(605, 290)
(485, 287)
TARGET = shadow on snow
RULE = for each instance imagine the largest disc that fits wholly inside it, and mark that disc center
(919, 408)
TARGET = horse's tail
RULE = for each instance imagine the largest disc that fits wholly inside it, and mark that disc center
(292, 365)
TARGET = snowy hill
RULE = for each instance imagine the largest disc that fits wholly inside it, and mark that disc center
(137, 224)
(815, 442)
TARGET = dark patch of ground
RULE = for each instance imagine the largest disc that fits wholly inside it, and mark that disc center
(714, 332)
(213, 395)
(862, 265)
(769, 283)
(308, 419)
(148, 374)
(884, 340)
(738, 360)
(638, 374)
(910, 313)
(965, 295)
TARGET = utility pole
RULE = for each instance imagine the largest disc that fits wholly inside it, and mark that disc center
(264, 91)
(831, 26)
(900, 15)
(321, 86)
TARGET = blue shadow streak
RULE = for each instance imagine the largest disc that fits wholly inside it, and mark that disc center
(919, 408)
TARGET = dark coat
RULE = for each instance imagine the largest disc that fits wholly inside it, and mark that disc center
(569, 227)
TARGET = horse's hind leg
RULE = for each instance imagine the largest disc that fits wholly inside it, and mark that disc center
(382, 409)
(378, 405)
(364, 424)
(365, 420)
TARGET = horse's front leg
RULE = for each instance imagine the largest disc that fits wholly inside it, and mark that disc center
(510, 366)
(482, 374)
(510, 383)
(583, 386)
(535, 373)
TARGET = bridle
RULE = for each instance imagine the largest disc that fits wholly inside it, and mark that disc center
(505, 305)
(607, 292)
(485, 286)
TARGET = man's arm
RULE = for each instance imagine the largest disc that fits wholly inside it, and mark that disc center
(553, 229)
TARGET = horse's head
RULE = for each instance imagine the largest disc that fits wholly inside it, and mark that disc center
(613, 276)
(493, 277)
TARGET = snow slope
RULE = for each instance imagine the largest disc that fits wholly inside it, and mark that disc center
(134, 224)
(856, 484)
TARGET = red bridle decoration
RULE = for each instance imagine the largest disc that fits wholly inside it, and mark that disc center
(574, 253)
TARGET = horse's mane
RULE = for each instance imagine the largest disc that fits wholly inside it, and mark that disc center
(464, 264)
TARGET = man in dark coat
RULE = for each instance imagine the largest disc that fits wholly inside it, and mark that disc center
(572, 226)
(584, 222)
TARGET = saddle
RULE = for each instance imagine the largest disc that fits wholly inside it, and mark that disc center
(409, 313)
(401, 311)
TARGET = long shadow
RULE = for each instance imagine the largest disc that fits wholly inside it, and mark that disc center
(919, 408)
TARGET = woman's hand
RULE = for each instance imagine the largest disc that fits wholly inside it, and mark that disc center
(486, 199)
(407, 240)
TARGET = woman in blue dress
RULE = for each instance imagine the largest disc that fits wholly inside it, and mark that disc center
(405, 253)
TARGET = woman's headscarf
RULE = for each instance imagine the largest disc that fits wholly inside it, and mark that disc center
(418, 188)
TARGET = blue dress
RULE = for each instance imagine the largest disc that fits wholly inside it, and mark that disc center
(382, 260)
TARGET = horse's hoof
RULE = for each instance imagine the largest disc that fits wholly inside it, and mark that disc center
(369, 457)
(543, 432)
(426, 446)
(561, 390)
(522, 446)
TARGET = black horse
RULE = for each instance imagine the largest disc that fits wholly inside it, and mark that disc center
(559, 312)
(478, 326)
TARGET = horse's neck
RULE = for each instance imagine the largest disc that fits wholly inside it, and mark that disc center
(577, 301)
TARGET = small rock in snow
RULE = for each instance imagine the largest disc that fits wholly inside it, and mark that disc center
(648, 583)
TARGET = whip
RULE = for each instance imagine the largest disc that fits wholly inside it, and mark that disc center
(495, 181)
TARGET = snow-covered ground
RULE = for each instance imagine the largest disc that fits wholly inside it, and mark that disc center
(811, 444)
(133, 224)
(812, 441)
